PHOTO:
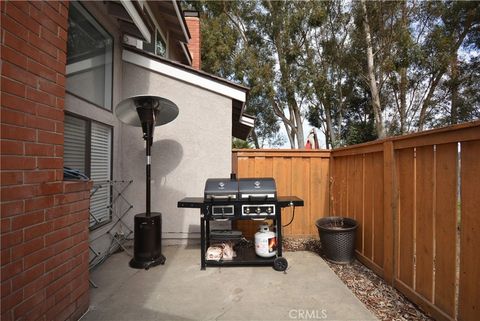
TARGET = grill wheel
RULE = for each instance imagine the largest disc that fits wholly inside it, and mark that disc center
(280, 264)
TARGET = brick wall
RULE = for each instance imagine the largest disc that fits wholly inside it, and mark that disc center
(193, 24)
(44, 220)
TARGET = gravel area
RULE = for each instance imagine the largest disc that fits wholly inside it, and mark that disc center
(379, 297)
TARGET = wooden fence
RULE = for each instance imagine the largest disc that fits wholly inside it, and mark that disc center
(296, 172)
(417, 201)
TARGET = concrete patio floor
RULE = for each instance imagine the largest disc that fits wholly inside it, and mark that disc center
(179, 290)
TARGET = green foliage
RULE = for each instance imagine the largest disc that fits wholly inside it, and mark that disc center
(306, 60)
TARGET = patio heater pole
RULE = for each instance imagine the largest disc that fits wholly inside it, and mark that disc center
(147, 112)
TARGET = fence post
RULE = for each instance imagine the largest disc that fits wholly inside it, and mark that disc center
(388, 210)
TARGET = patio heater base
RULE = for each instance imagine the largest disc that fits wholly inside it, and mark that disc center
(147, 244)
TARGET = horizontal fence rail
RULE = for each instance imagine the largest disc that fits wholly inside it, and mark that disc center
(417, 201)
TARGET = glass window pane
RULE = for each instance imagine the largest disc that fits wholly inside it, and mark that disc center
(89, 58)
(161, 47)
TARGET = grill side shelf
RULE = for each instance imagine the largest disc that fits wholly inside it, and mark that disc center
(191, 202)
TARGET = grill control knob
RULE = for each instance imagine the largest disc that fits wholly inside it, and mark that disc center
(258, 210)
(247, 210)
(269, 210)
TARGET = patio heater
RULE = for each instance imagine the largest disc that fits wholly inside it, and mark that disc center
(148, 112)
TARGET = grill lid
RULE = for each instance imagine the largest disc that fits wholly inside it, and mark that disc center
(220, 189)
(255, 188)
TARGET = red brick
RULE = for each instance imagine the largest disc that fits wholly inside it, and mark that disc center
(13, 87)
(59, 151)
(63, 35)
(23, 6)
(37, 230)
(11, 239)
(52, 88)
(11, 270)
(63, 245)
(50, 112)
(38, 203)
(57, 284)
(11, 178)
(26, 248)
(68, 198)
(42, 176)
(43, 20)
(40, 97)
(17, 103)
(12, 117)
(37, 257)
(49, 61)
(59, 270)
(22, 18)
(57, 236)
(11, 147)
(63, 292)
(40, 309)
(22, 192)
(6, 288)
(6, 224)
(61, 103)
(19, 74)
(14, 57)
(50, 162)
(52, 38)
(64, 10)
(61, 79)
(12, 208)
(56, 17)
(18, 45)
(7, 316)
(26, 220)
(59, 128)
(18, 133)
(80, 237)
(80, 248)
(12, 300)
(79, 227)
(6, 256)
(42, 45)
(27, 305)
(50, 188)
(40, 70)
(61, 222)
(14, 27)
(35, 286)
(78, 206)
(34, 149)
(50, 138)
(28, 276)
(55, 311)
(73, 186)
(56, 212)
(17, 162)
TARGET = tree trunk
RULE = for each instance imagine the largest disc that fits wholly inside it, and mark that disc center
(454, 107)
(377, 111)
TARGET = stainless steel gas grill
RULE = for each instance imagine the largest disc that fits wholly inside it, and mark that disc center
(242, 199)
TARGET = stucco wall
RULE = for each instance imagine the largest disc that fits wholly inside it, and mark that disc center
(185, 152)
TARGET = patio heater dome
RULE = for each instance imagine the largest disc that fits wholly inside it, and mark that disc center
(147, 111)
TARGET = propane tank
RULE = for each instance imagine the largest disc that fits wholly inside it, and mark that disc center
(265, 242)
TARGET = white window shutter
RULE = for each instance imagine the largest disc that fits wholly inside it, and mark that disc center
(75, 135)
(100, 172)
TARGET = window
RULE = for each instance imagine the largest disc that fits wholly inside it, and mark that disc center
(157, 46)
(88, 149)
(89, 58)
